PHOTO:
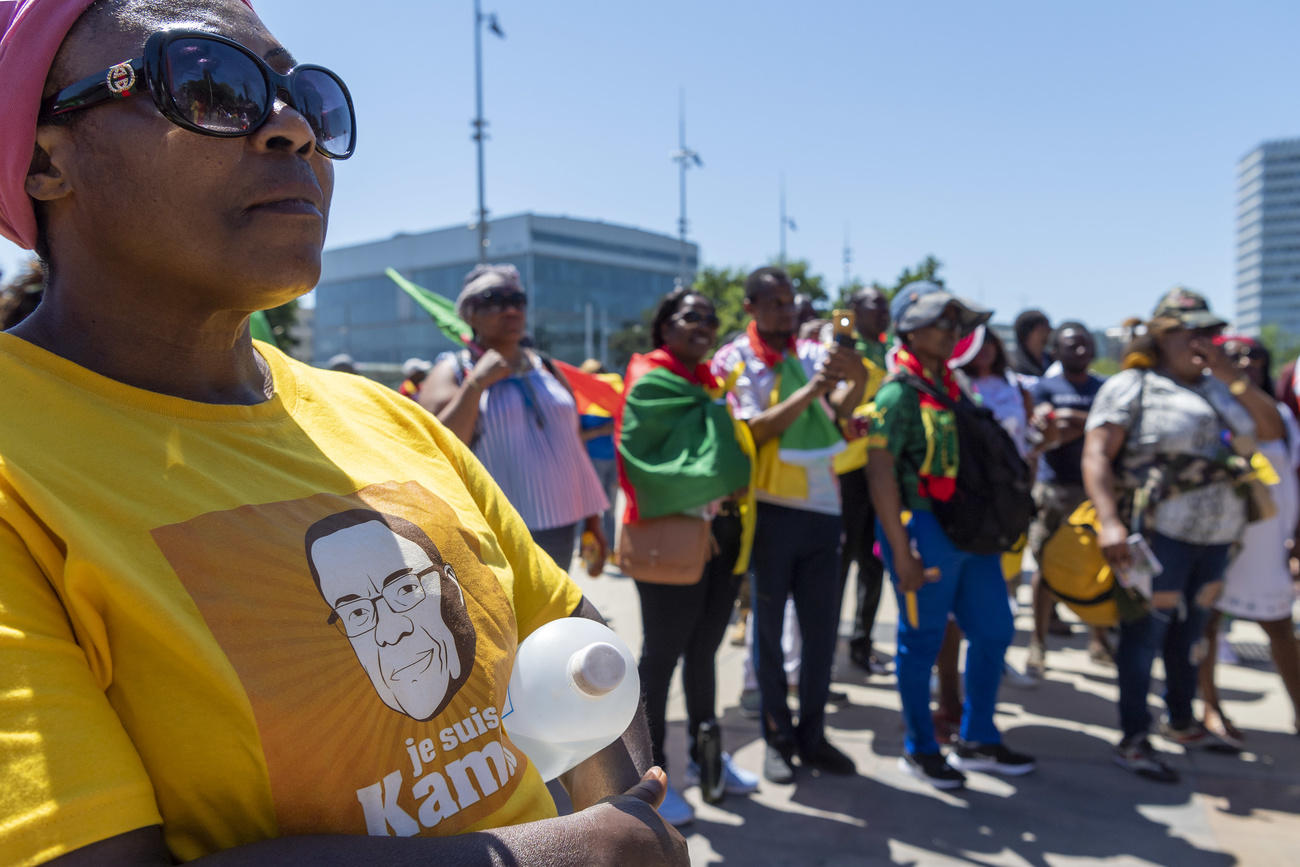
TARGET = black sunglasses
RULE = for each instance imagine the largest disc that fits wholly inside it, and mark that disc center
(695, 317)
(214, 86)
(496, 300)
(946, 323)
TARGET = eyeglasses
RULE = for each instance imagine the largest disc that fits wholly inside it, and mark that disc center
(946, 323)
(359, 616)
(695, 317)
(214, 86)
(496, 300)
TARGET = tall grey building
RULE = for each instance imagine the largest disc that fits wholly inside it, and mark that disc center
(585, 280)
(1268, 237)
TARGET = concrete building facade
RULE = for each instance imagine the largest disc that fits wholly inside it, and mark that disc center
(1268, 238)
(585, 280)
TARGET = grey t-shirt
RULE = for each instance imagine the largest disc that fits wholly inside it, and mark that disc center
(1178, 419)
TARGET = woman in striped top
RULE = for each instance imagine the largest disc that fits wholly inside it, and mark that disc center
(517, 413)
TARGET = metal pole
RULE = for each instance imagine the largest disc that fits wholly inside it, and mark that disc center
(479, 124)
(781, 258)
(681, 144)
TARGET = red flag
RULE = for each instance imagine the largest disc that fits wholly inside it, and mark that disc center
(589, 389)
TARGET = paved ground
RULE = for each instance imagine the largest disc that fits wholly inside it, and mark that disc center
(1077, 809)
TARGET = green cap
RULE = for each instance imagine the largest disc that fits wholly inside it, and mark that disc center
(1189, 308)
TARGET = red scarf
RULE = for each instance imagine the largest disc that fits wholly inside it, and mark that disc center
(766, 354)
(640, 364)
(937, 482)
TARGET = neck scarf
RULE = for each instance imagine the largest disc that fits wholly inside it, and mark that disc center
(937, 477)
(812, 436)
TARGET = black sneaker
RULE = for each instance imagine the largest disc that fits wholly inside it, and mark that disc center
(994, 758)
(778, 764)
(1137, 755)
(933, 769)
(824, 757)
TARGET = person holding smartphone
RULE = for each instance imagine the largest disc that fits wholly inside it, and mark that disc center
(1158, 460)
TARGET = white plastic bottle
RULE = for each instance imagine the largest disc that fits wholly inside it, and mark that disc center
(573, 691)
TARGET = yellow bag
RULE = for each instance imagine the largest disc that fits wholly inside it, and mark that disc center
(1075, 570)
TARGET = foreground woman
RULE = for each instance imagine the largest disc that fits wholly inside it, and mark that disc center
(679, 454)
(1169, 426)
(247, 607)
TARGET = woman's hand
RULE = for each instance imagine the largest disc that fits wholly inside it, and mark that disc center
(490, 369)
(1113, 539)
(592, 525)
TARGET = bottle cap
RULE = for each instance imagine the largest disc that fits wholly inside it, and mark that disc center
(597, 669)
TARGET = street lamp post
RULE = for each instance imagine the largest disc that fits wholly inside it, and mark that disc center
(785, 222)
(479, 124)
(685, 158)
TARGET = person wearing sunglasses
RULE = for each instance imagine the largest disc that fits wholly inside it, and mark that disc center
(913, 458)
(679, 454)
(515, 409)
(173, 686)
(1164, 459)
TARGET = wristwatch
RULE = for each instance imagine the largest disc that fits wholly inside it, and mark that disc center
(1238, 386)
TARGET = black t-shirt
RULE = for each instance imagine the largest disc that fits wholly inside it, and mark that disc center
(1065, 464)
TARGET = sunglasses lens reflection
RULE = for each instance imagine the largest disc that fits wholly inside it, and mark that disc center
(215, 86)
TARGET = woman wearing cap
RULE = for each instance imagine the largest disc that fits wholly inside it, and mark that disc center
(515, 410)
(1177, 434)
(913, 458)
(1257, 584)
(247, 606)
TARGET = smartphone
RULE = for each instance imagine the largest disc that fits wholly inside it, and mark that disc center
(842, 327)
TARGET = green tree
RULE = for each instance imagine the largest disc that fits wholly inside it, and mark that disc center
(805, 282)
(725, 287)
(1282, 345)
(282, 319)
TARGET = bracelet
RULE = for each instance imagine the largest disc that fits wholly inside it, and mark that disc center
(1238, 386)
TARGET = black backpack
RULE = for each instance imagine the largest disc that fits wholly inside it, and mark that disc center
(992, 506)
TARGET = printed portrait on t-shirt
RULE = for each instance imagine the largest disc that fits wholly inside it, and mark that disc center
(398, 602)
(372, 637)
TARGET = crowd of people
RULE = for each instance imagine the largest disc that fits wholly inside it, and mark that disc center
(806, 456)
(217, 559)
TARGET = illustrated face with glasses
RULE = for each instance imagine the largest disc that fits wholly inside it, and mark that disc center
(215, 86)
(398, 604)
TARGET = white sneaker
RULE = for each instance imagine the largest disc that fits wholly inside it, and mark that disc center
(674, 810)
(738, 780)
(1018, 679)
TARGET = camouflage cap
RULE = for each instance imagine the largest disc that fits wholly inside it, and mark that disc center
(1188, 308)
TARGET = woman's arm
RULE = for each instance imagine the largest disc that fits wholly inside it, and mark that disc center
(620, 830)
(1101, 446)
(456, 403)
(888, 504)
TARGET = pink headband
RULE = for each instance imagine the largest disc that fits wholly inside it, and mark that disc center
(31, 32)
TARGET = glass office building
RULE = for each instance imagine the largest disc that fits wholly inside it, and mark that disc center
(1268, 238)
(585, 280)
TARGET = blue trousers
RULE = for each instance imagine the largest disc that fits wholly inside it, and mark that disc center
(1174, 632)
(972, 588)
(796, 554)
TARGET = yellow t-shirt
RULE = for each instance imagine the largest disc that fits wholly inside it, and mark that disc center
(241, 622)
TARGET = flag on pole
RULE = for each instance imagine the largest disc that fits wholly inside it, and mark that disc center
(442, 310)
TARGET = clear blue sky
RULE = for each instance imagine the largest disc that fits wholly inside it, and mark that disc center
(1078, 157)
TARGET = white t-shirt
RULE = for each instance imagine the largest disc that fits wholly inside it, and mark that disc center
(1178, 419)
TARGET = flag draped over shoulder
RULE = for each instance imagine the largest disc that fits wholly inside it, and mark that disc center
(677, 443)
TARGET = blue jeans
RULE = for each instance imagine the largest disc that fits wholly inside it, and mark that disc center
(972, 588)
(1173, 631)
(796, 554)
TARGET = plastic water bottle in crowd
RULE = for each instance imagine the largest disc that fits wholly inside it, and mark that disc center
(573, 691)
